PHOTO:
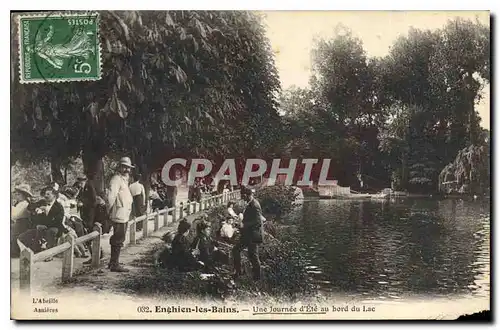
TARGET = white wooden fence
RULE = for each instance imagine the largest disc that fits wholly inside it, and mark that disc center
(160, 219)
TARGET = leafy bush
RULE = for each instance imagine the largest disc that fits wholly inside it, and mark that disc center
(277, 200)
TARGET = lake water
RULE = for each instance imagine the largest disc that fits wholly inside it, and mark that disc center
(390, 250)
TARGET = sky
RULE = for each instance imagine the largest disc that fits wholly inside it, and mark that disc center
(292, 34)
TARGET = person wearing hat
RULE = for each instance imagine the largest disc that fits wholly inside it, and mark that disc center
(250, 234)
(50, 216)
(22, 198)
(119, 206)
(20, 215)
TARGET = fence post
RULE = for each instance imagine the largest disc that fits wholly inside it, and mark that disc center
(26, 261)
(195, 206)
(145, 226)
(157, 221)
(96, 246)
(188, 210)
(133, 228)
(174, 214)
(181, 211)
(68, 259)
(165, 218)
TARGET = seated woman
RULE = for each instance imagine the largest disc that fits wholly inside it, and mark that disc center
(180, 256)
(20, 220)
(208, 253)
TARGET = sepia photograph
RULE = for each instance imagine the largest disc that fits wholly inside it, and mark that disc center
(250, 165)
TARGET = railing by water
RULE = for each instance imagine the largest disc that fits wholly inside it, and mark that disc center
(28, 258)
(330, 191)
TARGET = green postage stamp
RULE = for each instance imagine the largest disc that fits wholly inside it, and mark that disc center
(59, 47)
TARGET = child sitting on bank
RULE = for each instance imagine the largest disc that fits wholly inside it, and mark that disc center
(181, 257)
(205, 249)
(227, 230)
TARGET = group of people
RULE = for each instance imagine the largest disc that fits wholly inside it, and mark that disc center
(242, 230)
(74, 210)
(42, 224)
(198, 189)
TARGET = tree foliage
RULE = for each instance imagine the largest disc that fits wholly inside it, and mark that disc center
(174, 83)
(398, 118)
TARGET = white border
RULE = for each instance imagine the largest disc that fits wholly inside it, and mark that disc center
(215, 4)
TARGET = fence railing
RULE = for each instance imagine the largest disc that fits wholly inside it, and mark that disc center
(160, 219)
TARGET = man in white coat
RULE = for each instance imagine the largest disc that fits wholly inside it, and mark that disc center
(119, 204)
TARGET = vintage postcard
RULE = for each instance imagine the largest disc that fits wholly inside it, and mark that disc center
(236, 165)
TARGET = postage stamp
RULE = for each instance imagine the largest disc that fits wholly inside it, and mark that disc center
(59, 47)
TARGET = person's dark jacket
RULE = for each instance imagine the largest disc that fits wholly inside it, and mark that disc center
(181, 256)
(54, 219)
(88, 197)
(252, 223)
(206, 247)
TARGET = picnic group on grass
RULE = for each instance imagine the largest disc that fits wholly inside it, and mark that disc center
(44, 222)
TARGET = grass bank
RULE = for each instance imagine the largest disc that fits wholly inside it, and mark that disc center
(284, 276)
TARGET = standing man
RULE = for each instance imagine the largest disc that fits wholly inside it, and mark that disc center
(250, 234)
(119, 207)
(139, 195)
(87, 204)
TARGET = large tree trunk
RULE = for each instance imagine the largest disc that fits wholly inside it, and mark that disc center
(94, 169)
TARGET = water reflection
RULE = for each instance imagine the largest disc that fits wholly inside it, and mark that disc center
(387, 250)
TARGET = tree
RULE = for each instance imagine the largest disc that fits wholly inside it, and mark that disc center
(172, 85)
(439, 74)
(348, 107)
(461, 65)
(470, 171)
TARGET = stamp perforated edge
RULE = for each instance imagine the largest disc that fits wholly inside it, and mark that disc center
(67, 14)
